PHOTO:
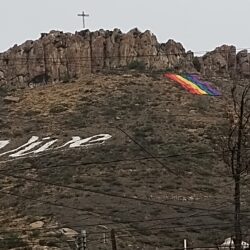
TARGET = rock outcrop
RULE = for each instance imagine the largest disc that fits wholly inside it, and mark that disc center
(243, 63)
(54, 57)
(220, 61)
(61, 57)
(225, 61)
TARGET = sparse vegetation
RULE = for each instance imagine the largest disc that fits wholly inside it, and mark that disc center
(197, 63)
(172, 125)
(59, 108)
(137, 65)
(12, 241)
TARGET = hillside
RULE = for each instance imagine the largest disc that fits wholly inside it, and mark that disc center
(157, 180)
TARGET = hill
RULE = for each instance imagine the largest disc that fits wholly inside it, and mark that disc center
(94, 138)
(157, 180)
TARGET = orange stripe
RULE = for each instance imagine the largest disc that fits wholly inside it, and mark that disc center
(185, 85)
(188, 85)
(200, 91)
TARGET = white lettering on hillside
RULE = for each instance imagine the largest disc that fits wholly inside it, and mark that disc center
(45, 146)
(31, 140)
(97, 139)
(4, 143)
(35, 146)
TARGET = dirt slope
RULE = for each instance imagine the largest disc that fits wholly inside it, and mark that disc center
(162, 200)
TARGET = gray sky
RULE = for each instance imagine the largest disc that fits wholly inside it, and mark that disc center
(198, 24)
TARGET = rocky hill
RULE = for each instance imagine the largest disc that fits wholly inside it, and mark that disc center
(58, 57)
(156, 179)
(114, 145)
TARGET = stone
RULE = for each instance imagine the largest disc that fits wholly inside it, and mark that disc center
(68, 232)
(37, 224)
(11, 99)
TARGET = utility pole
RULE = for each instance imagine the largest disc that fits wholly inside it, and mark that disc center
(83, 15)
(185, 244)
(113, 240)
(81, 241)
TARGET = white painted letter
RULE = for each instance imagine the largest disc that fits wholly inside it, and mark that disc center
(31, 140)
(45, 146)
(74, 139)
(34, 145)
(4, 143)
(96, 139)
(28, 148)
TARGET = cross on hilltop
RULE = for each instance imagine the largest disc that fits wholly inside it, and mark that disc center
(83, 15)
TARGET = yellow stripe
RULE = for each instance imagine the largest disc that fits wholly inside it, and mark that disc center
(192, 84)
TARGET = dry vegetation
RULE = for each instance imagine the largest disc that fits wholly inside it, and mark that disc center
(161, 117)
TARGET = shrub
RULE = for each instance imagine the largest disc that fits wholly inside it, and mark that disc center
(13, 241)
(58, 108)
(138, 65)
(197, 63)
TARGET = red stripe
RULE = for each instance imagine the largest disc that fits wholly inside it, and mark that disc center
(182, 83)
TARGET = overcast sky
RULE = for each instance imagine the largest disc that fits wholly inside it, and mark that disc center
(198, 24)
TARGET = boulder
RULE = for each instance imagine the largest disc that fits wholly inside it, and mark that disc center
(37, 224)
(11, 99)
(68, 232)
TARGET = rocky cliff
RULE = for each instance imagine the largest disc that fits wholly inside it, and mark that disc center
(59, 56)
(226, 61)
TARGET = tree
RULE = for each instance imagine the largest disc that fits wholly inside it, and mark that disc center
(236, 152)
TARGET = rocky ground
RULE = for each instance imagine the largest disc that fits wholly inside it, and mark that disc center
(158, 180)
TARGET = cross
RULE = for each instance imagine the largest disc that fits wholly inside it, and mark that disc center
(83, 15)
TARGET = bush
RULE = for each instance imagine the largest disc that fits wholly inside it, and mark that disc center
(139, 65)
(12, 241)
(197, 64)
(3, 91)
(58, 108)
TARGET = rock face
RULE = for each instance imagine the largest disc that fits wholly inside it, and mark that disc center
(54, 57)
(243, 63)
(220, 61)
(60, 57)
(225, 61)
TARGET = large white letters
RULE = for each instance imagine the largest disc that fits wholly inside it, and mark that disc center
(45, 146)
(97, 139)
(31, 140)
(36, 146)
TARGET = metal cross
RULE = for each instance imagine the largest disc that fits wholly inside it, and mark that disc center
(83, 15)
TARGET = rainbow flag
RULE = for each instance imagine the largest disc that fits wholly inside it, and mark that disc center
(192, 84)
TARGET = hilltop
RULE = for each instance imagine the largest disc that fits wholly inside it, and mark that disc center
(61, 57)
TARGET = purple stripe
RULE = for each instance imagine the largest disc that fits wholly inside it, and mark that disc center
(208, 85)
(199, 84)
